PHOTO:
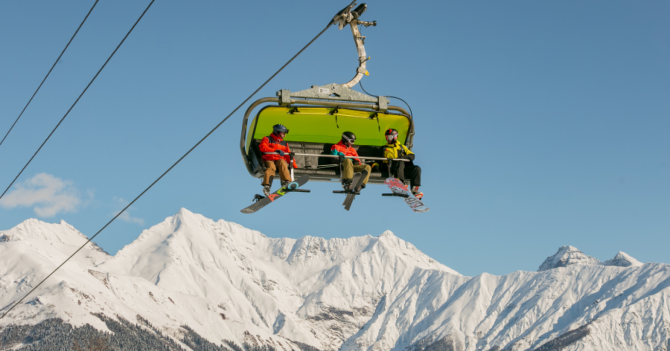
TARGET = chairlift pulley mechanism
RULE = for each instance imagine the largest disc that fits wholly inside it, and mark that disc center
(343, 92)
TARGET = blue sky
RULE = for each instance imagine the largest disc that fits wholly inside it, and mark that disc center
(539, 124)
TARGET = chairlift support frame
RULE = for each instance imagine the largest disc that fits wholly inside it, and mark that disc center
(327, 96)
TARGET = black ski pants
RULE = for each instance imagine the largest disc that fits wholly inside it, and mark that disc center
(407, 171)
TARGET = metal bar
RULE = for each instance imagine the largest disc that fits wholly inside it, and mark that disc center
(345, 192)
(362, 61)
(244, 130)
(362, 157)
(291, 165)
(398, 195)
(335, 156)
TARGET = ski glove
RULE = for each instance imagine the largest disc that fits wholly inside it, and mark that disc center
(337, 153)
(409, 157)
(281, 153)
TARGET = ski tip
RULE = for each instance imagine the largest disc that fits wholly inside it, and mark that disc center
(246, 210)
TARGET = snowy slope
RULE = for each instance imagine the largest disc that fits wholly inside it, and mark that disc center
(360, 293)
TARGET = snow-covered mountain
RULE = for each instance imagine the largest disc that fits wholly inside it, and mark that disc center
(362, 293)
(567, 256)
(622, 259)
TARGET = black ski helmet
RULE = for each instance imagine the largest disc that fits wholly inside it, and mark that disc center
(349, 137)
(279, 128)
(391, 135)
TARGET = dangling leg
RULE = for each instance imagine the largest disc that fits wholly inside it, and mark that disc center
(347, 173)
(414, 175)
(268, 177)
(284, 173)
(400, 170)
(360, 168)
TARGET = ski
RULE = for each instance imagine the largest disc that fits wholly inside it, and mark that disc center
(264, 201)
(400, 189)
(356, 183)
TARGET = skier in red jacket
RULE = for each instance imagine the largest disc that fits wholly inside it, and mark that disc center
(349, 165)
(275, 157)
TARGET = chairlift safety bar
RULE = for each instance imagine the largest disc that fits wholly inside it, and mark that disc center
(336, 156)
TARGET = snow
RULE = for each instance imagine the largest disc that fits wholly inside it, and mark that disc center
(361, 293)
(622, 259)
(567, 256)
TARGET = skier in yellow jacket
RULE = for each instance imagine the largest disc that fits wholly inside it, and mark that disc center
(399, 169)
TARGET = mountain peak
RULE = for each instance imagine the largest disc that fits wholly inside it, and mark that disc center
(183, 212)
(184, 215)
(387, 234)
(567, 256)
(61, 232)
(622, 259)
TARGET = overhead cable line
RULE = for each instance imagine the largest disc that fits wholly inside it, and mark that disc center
(76, 101)
(52, 67)
(173, 165)
(393, 97)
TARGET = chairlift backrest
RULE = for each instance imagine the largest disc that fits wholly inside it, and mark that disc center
(326, 124)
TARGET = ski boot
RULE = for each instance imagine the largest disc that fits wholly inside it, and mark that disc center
(417, 194)
(285, 183)
(346, 184)
(361, 188)
(266, 189)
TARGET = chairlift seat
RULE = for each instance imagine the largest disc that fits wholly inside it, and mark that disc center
(319, 168)
(313, 129)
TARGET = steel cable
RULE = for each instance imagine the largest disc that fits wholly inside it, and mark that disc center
(52, 68)
(393, 97)
(171, 167)
(76, 101)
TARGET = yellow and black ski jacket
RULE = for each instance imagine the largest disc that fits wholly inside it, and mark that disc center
(396, 150)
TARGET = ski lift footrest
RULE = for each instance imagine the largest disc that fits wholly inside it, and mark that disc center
(345, 192)
(398, 195)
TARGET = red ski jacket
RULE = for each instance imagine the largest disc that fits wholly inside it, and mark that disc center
(347, 151)
(273, 143)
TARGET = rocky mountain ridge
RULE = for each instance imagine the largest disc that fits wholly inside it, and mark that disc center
(226, 282)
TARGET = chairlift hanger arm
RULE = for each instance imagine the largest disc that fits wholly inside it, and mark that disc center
(344, 92)
(350, 17)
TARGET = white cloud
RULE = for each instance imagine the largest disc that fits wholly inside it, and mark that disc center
(49, 195)
(125, 216)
